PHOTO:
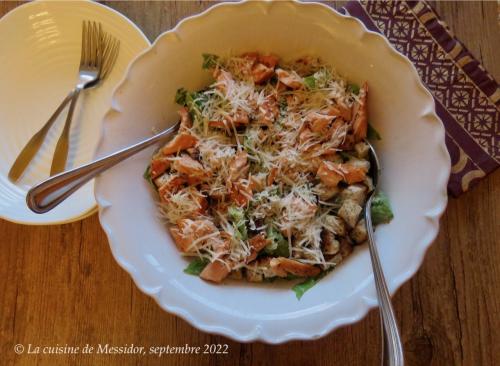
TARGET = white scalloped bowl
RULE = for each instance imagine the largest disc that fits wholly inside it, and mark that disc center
(415, 164)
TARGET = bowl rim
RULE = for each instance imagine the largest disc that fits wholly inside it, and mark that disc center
(433, 214)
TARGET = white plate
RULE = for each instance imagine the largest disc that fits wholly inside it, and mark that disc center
(39, 58)
(415, 162)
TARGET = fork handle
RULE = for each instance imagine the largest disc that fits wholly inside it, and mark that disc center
(62, 147)
(393, 352)
(31, 148)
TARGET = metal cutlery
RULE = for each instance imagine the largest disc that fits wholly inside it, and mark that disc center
(98, 50)
(393, 353)
(98, 55)
(46, 195)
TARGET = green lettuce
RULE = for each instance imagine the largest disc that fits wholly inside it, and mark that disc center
(279, 245)
(196, 266)
(210, 61)
(147, 175)
(353, 88)
(381, 209)
(301, 288)
(238, 218)
(372, 133)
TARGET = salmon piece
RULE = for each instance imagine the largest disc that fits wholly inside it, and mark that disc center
(268, 111)
(353, 174)
(251, 56)
(329, 174)
(222, 245)
(333, 111)
(280, 87)
(159, 165)
(340, 110)
(360, 124)
(190, 167)
(345, 112)
(240, 193)
(348, 143)
(334, 130)
(272, 176)
(181, 141)
(238, 167)
(319, 122)
(187, 231)
(282, 266)
(171, 186)
(257, 243)
(292, 80)
(313, 164)
(305, 135)
(202, 202)
(257, 184)
(269, 60)
(186, 122)
(240, 118)
(218, 124)
(327, 153)
(216, 271)
(181, 243)
(261, 73)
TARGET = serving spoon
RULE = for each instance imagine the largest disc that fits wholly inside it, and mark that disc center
(46, 195)
(392, 355)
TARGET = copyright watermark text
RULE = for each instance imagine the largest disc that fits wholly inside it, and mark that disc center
(126, 349)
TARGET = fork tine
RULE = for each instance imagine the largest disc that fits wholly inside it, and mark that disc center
(99, 48)
(89, 43)
(98, 43)
(105, 50)
(111, 56)
(94, 45)
(83, 54)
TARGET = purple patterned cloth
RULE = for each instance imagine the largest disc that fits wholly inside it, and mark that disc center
(467, 97)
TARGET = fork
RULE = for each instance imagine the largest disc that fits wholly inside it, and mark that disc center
(99, 52)
(98, 48)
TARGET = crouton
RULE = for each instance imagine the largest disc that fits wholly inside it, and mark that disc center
(345, 248)
(330, 245)
(362, 149)
(356, 193)
(349, 212)
(359, 234)
(335, 225)
(325, 193)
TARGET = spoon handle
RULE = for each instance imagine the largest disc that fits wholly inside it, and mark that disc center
(48, 194)
(392, 339)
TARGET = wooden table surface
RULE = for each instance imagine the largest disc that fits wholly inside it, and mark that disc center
(59, 285)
